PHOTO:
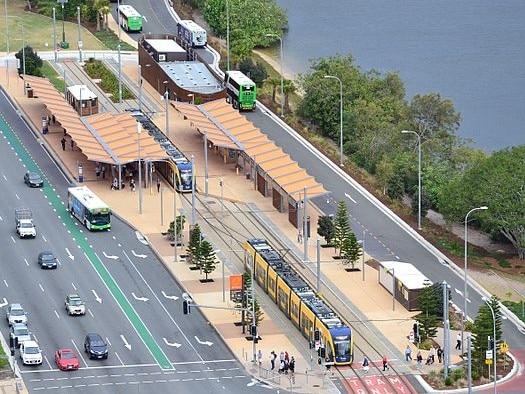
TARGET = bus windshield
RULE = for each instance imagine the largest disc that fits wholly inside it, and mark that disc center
(99, 219)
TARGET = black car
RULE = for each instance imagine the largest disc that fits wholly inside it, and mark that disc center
(47, 260)
(95, 346)
(32, 179)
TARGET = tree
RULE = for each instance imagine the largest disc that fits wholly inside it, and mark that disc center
(207, 258)
(326, 228)
(247, 302)
(341, 226)
(181, 220)
(351, 249)
(288, 89)
(102, 9)
(274, 83)
(497, 183)
(194, 245)
(482, 329)
(428, 318)
(33, 62)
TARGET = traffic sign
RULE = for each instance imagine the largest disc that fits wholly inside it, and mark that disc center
(488, 355)
(488, 362)
(504, 347)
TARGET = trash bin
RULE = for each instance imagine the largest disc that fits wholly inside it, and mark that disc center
(64, 45)
(29, 92)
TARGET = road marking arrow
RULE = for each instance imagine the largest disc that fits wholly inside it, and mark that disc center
(99, 300)
(174, 344)
(142, 256)
(208, 343)
(126, 344)
(173, 297)
(110, 257)
(69, 254)
(350, 197)
(139, 298)
(3, 303)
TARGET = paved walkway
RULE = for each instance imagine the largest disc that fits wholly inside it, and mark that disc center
(363, 290)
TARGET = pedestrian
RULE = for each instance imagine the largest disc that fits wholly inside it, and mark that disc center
(419, 359)
(282, 366)
(97, 171)
(158, 185)
(366, 364)
(132, 184)
(291, 365)
(458, 341)
(281, 356)
(48, 119)
(259, 357)
(273, 356)
(439, 354)
(432, 354)
(65, 133)
(53, 119)
(408, 353)
(103, 171)
(385, 363)
(286, 357)
(328, 364)
(114, 184)
(63, 142)
(72, 143)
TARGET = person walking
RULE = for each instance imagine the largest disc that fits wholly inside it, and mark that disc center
(103, 169)
(432, 354)
(97, 171)
(366, 364)
(385, 363)
(72, 143)
(419, 359)
(158, 185)
(260, 357)
(63, 142)
(273, 356)
(439, 354)
(458, 341)
(291, 365)
(132, 184)
(408, 353)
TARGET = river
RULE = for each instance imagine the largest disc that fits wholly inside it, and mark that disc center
(471, 51)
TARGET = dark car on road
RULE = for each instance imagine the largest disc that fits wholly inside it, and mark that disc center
(95, 346)
(47, 260)
(32, 179)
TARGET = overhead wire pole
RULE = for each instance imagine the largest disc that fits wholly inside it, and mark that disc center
(305, 226)
(119, 56)
(55, 34)
(139, 131)
(79, 43)
(175, 256)
(227, 35)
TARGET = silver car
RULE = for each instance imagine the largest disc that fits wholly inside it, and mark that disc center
(15, 314)
(20, 334)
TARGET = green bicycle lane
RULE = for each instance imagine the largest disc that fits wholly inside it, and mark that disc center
(54, 200)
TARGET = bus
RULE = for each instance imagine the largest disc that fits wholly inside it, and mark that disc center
(241, 91)
(191, 33)
(129, 18)
(90, 210)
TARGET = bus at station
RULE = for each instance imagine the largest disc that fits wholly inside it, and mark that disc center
(89, 209)
(241, 91)
(129, 18)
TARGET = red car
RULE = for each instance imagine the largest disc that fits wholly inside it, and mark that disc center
(66, 360)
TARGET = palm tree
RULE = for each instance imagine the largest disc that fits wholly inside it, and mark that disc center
(274, 82)
(288, 89)
(104, 10)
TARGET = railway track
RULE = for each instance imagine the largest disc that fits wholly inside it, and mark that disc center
(228, 224)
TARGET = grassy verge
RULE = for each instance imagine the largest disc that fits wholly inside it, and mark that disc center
(110, 40)
(108, 82)
(50, 73)
(4, 359)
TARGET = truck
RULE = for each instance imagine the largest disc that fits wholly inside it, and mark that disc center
(191, 33)
(24, 223)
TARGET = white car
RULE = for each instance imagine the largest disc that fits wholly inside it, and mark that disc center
(75, 305)
(30, 353)
(15, 314)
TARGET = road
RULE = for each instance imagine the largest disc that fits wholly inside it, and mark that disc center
(130, 296)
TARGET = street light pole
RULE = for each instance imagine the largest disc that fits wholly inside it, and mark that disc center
(79, 42)
(139, 131)
(167, 98)
(494, 341)
(465, 275)
(341, 161)
(140, 86)
(175, 256)
(63, 24)
(418, 175)
(55, 35)
(193, 216)
(282, 76)
(227, 35)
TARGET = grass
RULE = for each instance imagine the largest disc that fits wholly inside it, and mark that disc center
(38, 31)
(4, 360)
(110, 39)
(50, 73)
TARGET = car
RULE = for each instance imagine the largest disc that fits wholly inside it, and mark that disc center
(47, 259)
(15, 314)
(95, 346)
(30, 353)
(66, 360)
(19, 334)
(75, 305)
(33, 179)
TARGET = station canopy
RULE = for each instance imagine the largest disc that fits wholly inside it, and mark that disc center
(226, 128)
(103, 137)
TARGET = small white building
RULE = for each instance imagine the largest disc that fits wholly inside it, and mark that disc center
(404, 281)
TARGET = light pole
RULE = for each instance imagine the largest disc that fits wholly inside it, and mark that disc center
(167, 98)
(193, 216)
(140, 86)
(55, 34)
(341, 162)
(282, 76)
(392, 270)
(175, 256)
(119, 56)
(418, 175)
(139, 131)
(487, 301)
(227, 35)
(465, 274)
(63, 44)
(79, 37)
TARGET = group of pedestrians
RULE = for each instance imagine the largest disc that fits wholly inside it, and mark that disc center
(286, 363)
(433, 352)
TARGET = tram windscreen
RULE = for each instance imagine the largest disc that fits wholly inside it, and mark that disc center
(185, 176)
(342, 348)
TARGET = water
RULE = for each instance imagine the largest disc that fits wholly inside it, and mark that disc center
(471, 51)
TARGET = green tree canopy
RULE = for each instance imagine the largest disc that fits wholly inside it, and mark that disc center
(326, 228)
(33, 62)
(351, 249)
(194, 245)
(207, 258)
(341, 226)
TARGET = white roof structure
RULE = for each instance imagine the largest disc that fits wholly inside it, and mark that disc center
(168, 46)
(81, 92)
(407, 273)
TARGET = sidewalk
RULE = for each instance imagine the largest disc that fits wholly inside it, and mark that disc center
(367, 295)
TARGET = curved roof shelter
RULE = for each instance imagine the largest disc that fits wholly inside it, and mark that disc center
(103, 137)
(225, 127)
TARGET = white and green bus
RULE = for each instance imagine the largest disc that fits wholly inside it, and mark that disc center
(90, 210)
(129, 18)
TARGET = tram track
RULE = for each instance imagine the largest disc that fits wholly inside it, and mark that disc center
(228, 224)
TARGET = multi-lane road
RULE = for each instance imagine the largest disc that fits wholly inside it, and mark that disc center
(131, 299)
